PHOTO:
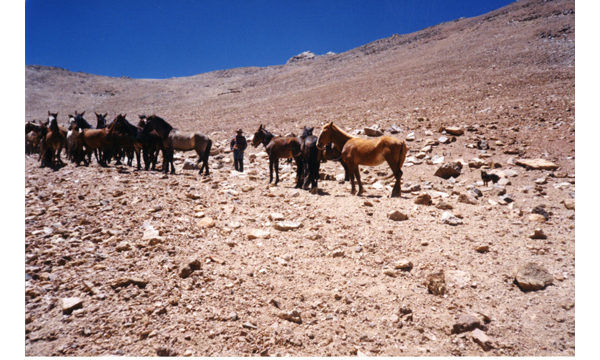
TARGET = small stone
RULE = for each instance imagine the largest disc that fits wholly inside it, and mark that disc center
(482, 248)
(454, 130)
(389, 272)
(476, 163)
(423, 199)
(123, 246)
(396, 216)
(532, 276)
(467, 199)
(405, 265)
(206, 223)
(436, 283)
(449, 219)
(444, 140)
(249, 325)
(537, 218)
(537, 164)
(287, 225)
(233, 316)
(293, 316)
(152, 235)
(448, 170)
(569, 204)
(465, 322)
(410, 137)
(371, 131)
(482, 339)
(443, 205)
(276, 217)
(338, 253)
(258, 234)
(165, 351)
(70, 304)
(538, 234)
(189, 266)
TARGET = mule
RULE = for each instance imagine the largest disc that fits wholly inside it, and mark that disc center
(173, 139)
(370, 152)
(280, 147)
(52, 143)
(310, 159)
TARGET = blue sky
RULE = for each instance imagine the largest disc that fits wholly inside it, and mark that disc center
(163, 39)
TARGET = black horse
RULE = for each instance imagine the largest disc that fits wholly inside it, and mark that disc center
(151, 144)
(173, 139)
(125, 138)
(330, 152)
(310, 157)
(78, 127)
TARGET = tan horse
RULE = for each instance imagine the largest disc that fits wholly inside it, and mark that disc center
(358, 151)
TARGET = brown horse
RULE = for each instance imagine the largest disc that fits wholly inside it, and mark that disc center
(90, 139)
(357, 151)
(280, 147)
(173, 139)
(53, 141)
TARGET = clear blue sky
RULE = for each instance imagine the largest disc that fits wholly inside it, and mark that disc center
(163, 39)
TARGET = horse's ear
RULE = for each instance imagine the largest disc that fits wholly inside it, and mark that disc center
(105, 115)
(48, 112)
(82, 113)
(96, 114)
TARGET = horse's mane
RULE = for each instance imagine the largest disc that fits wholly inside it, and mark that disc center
(129, 127)
(308, 131)
(335, 127)
(79, 118)
(160, 120)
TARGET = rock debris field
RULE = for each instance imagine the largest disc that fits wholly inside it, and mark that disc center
(133, 263)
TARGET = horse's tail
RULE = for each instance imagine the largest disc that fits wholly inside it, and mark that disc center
(403, 153)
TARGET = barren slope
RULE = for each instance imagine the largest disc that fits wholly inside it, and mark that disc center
(506, 77)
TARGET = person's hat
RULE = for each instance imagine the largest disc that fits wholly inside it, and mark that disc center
(239, 131)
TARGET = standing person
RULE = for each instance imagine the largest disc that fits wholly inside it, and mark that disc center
(238, 145)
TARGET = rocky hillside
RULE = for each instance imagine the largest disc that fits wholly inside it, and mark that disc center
(125, 262)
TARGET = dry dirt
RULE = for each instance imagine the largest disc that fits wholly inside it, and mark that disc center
(507, 77)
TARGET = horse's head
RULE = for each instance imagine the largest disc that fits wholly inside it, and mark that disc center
(308, 131)
(52, 116)
(101, 120)
(142, 121)
(72, 122)
(325, 137)
(258, 137)
(149, 123)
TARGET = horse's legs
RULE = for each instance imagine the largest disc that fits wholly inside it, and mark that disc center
(398, 175)
(351, 173)
(270, 170)
(171, 159)
(299, 171)
(276, 165)
(360, 187)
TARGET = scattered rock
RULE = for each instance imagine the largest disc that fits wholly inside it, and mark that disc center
(189, 266)
(483, 145)
(126, 281)
(476, 163)
(464, 323)
(448, 170)
(532, 276)
(123, 246)
(443, 205)
(206, 222)
(405, 265)
(258, 234)
(436, 283)
(410, 137)
(165, 351)
(538, 234)
(482, 248)
(482, 339)
(338, 253)
(423, 199)
(540, 210)
(454, 130)
(449, 219)
(569, 204)
(287, 225)
(397, 216)
(372, 131)
(276, 217)
(70, 304)
(467, 199)
(293, 316)
(537, 218)
(395, 129)
(537, 164)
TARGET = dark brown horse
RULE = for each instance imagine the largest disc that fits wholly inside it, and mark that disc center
(151, 144)
(52, 143)
(173, 139)
(310, 159)
(280, 147)
(357, 151)
(32, 137)
(125, 137)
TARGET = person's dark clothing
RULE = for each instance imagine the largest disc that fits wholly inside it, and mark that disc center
(238, 145)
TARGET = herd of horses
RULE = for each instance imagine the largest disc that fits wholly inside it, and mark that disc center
(153, 135)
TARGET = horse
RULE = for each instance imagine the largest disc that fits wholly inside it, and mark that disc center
(93, 139)
(32, 137)
(310, 158)
(72, 133)
(125, 137)
(79, 125)
(331, 152)
(371, 152)
(53, 141)
(151, 144)
(173, 139)
(280, 147)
